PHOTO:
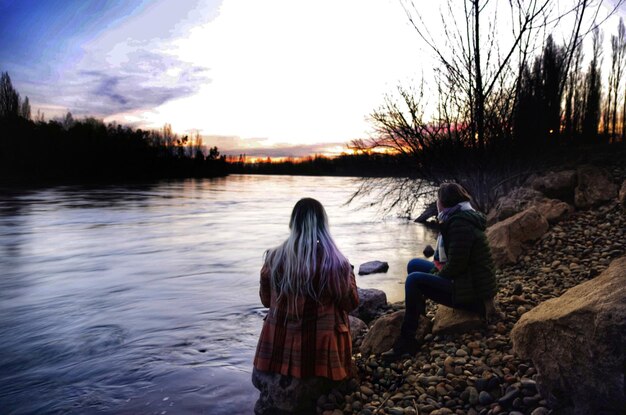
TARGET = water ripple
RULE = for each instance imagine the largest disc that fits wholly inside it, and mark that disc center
(114, 298)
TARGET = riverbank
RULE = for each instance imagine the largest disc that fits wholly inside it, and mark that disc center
(478, 372)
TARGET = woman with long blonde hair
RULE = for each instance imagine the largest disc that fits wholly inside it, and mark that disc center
(309, 287)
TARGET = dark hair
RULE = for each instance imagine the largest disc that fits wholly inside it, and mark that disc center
(451, 194)
(304, 208)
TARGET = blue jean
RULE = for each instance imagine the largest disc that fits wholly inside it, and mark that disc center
(420, 284)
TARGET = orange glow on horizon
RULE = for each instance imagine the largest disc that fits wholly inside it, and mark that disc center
(330, 153)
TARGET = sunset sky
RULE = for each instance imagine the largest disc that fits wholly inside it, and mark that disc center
(265, 77)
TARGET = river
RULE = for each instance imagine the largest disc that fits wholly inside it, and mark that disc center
(143, 299)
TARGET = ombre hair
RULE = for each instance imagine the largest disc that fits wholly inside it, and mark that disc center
(308, 263)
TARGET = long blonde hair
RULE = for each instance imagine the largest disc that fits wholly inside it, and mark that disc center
(309, 251)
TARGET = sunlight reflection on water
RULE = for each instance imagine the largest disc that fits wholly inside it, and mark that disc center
(117, 297)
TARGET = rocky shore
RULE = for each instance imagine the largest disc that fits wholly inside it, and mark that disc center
(479, 371)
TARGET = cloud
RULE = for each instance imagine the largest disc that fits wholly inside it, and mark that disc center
(131, 66)
(259, 147)
(144, 80)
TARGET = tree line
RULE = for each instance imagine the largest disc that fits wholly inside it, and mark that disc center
(88, 149)
(509, 102)
(362, 164)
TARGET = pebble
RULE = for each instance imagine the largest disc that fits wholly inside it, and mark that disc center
(508, 397)
(528, 384)
(367, 391)
(485, 398)
(473, 396)
(530, 401)
(477, 373)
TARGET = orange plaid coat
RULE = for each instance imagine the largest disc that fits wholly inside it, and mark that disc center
(316, 343)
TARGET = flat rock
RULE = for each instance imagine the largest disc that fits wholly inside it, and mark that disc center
(370, 301)
(386, 330)
(594, 187)
(577, 343)
(449, 320)
(373, 267)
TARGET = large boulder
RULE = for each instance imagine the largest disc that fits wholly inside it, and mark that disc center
(558, 185)
(373, 267)
(622, 196)
(449, 320)
(523, 198)
(386, 330)
(516, 201)
(370, 302)
(507, 238)
(554, 210)
(594, 187)
(577, 342)
(287, 395)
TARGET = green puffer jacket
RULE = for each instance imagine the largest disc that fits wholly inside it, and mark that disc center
(469, 264)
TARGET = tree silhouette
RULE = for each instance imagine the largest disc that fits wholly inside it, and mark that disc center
(499, 97)
(618, 60)
(88, 149)
(593, 86)
(25, 109)
(9, 98)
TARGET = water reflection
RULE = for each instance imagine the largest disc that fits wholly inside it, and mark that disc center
(114, 298)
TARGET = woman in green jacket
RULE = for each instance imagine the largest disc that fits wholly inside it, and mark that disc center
(462, 275)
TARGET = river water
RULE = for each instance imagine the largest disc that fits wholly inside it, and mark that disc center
(143, 299)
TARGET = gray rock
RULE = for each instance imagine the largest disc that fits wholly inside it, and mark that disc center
(577, 343)
(428, 251)
(373, 267)
(531, 400)
(485, 398)
(370, 301)
(529, 384)
(594, 187)
(357, 326)
(507, 399)
(540, 411)
(473, 395)
(279, 394)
